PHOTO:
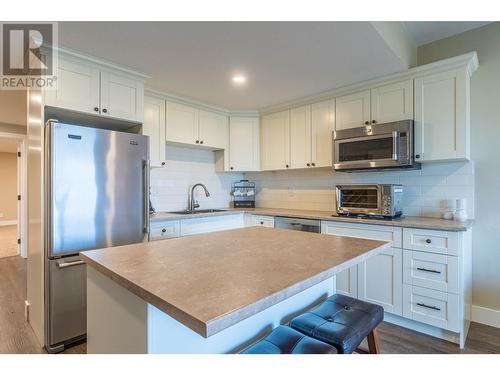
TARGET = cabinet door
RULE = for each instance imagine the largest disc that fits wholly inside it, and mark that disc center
(77, 88)
(352, 110)
(322, 126)
(122, 97)
(244, 144)
(442, 130)
(214, 130)
(275, 141)
(300, 137)
(380, 280)
(392, 102)
(182, 124)
(346, 282)
(154, 127)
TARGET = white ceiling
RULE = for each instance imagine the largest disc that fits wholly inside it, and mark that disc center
(425, 31)
(7, 145)
(282, 60)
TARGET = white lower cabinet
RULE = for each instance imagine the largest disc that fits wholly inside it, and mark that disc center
(346, 282)
(259, 220)
(211, 224)
(438, 309)
(380, 280)
(165, 229)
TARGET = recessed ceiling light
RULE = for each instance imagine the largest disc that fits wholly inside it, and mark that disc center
(239, 79)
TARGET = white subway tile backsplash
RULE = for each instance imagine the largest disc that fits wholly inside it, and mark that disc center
(185, 167)
(430, 191)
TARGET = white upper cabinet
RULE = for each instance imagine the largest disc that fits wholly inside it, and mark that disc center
(387, 103)
(213, 130)
(352, 110)
(77, 87)
(182, 124)
(88, 87)
(192, 126)
(275, 141)
(154, 127)
(322, 126)
(244, 144)
(121, 97)
(393, 102)
(300, 137)
(442, 125)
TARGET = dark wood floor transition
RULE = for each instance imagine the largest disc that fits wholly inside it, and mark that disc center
(16, 336)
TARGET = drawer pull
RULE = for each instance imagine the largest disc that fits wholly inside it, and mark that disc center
(427, 270)
(429, 307)
(428, 240)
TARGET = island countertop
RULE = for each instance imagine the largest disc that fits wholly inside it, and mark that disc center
(210, 282)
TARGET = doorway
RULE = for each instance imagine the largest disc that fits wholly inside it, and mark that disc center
(12, 196)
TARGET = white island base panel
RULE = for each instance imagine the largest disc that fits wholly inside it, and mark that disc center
(120, 322)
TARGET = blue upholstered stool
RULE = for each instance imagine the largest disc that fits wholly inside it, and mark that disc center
(285, 340)
(343, 322)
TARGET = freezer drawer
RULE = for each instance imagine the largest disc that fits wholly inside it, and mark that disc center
(68, 299)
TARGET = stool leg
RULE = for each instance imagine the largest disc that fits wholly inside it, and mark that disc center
(373, 343)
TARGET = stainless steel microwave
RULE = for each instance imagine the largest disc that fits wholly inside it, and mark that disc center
(373, 147)
(369, 200)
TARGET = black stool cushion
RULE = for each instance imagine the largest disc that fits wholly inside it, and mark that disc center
(284, 340)
(340, 321)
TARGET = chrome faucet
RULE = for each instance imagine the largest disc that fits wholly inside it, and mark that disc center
(193, 204)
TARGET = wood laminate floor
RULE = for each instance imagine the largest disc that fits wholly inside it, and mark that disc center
(8, 240)
(16, 336)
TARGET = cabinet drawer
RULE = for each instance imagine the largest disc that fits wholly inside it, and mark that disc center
(432, 307)
(263, 221)
(161, 231)
(368, 231)
(432, 241)
(211, 224)
(433, 271)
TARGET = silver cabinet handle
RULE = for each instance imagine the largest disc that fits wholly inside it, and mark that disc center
(395, 145)
(70, 264)
(429, 307)
(427, 270)
(146, 195)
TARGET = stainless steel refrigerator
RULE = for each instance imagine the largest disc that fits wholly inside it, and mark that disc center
(97, 184)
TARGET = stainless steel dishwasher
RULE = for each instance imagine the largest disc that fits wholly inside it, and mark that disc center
(305, 225)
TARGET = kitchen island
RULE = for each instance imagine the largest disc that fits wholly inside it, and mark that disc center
(210, 293)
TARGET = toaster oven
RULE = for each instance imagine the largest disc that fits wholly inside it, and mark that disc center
(369, 200)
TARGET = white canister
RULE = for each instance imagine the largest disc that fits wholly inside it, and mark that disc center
(460, 210)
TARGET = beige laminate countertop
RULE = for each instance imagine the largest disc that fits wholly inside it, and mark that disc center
(405, 222)
(209, 282)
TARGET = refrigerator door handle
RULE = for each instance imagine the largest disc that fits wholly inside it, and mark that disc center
(146, 195)
(70, 264)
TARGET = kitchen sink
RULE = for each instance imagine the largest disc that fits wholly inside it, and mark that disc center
(188, 212)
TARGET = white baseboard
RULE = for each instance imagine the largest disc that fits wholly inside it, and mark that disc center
(8, 222)
(486, 316)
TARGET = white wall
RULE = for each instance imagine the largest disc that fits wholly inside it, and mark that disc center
(427, 192)
(185, 167)
(485, 151)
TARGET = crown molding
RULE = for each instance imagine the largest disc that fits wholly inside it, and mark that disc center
(193, 102)
(68, 52)
(469, 61)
